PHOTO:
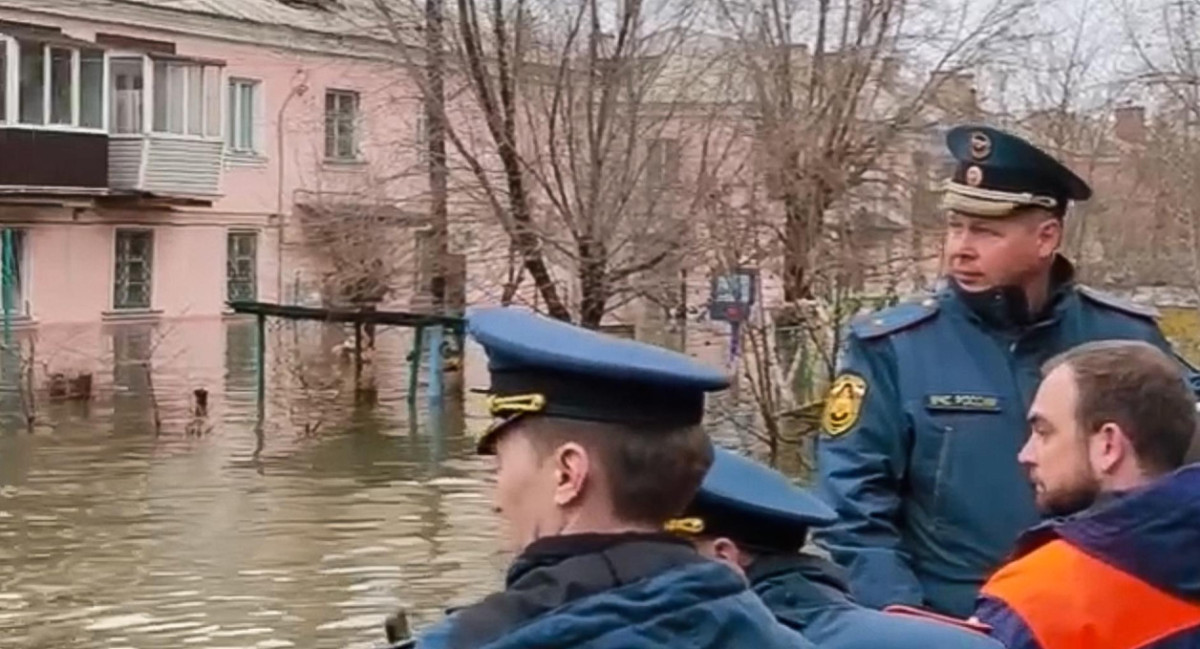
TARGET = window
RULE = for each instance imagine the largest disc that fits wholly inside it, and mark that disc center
(60, 86)
(341, 120)
(127, 78)
(3, 80)
(91, 89)
(186, 98)
(422, 138)
(134, 262)
(662, 165)
(240, 136)
(18, 269)
(33, 83)
(241, 265)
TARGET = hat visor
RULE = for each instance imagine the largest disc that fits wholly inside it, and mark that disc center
(979, 206)
(486, 445)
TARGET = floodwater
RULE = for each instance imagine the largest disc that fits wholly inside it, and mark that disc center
(115, 532)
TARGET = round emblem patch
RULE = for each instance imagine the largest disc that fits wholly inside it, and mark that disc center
(843, 404)
(981, 145)
(974, 176)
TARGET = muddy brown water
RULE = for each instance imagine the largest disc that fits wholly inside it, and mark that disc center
(112, 536)
(117, 533)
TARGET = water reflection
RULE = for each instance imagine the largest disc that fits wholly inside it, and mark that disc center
(111, 536)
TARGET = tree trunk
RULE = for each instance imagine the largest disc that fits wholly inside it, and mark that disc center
(502, 127)
(593, 283)
(435, 124)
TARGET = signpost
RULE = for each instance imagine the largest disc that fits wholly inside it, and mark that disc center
(730, 300)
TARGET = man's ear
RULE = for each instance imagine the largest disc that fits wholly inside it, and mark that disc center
(727, 552)
(1109, 447)
(572, 470)
(1049, 235)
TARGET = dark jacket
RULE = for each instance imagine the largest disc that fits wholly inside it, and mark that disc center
(1124, 574)
(615, 592)
(808, 594)
(926, 483)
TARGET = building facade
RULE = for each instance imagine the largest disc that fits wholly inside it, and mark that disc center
(157, 162)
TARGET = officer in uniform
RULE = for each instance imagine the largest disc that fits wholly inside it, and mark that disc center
(754, 519)
(598, 443)
(924, 421)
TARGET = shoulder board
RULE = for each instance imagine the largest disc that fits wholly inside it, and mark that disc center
(893, 319)
(1113, 302)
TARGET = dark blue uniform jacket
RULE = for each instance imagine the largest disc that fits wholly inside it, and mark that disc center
(615, 592)
(808, 594)
(926, 483)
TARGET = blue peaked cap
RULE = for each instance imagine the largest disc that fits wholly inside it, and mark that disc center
(998, 173)
(754, 505)
(540, 365)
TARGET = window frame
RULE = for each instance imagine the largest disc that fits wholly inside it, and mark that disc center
(331, 121)
(11, 117)
(150, 89)
(116, 260)
(234, 114)
(145, 109)
(253, 280)
(21, 243)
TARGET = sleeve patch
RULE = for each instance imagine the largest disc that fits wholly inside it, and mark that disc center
(843, 404)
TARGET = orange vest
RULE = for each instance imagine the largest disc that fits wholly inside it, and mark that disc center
(1070, 600)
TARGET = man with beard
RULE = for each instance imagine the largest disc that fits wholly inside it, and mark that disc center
(755, 520)
(923, 423)
(1120, 567)
(597, 444)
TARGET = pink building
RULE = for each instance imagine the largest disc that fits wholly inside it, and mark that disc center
(156, 157)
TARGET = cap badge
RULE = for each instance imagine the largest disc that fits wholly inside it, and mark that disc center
(843, 404)
(981, 145)
(974, 176)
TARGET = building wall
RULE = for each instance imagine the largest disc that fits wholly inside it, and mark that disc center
(70, 256)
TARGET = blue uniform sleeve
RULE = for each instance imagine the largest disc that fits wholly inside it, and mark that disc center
(1007, 626)
(862, 468)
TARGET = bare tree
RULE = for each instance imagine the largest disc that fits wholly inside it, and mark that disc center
(1167, 48)
(587, 151)
(842, 101)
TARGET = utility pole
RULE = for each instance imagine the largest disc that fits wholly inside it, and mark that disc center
(435, 135)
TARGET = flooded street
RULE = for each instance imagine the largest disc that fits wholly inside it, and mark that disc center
(113, 536)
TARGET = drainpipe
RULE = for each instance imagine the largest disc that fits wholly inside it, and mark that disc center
(299, 87)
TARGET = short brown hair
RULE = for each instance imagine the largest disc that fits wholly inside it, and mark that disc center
(1138, 387)
(652, 474)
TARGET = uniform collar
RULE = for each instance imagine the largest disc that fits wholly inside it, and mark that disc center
(811, 581)
(552, 550)
(1005, 307)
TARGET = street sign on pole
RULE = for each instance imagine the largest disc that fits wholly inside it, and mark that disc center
(732, 295)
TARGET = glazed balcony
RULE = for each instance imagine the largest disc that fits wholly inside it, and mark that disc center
(52, 130)
(166, 126)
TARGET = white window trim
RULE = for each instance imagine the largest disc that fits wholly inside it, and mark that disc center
(356, 156)
(112, 271)
(108, 84)
(13, 90)
(257, 258)
(148, 84)
(232, 122)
